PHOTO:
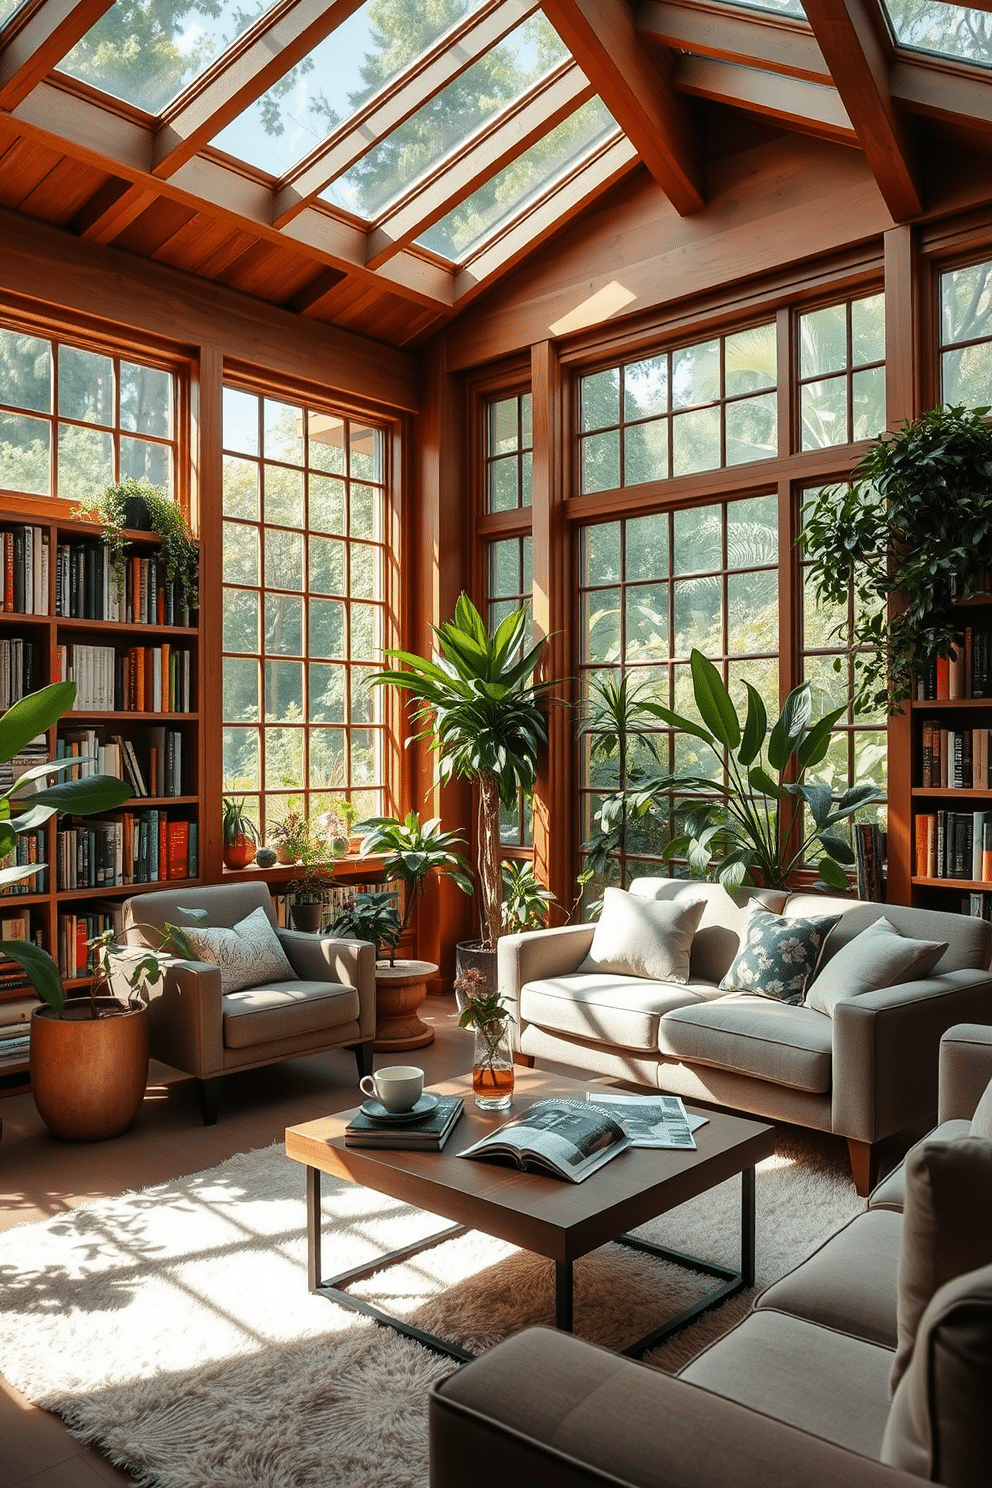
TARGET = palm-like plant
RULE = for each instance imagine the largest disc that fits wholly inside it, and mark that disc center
(413, 851)
(477, 703)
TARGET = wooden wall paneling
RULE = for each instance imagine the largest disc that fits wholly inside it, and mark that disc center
(49, 266)
(206, 442)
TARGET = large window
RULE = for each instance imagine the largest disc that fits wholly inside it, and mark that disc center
(842, 372)
(304, 607)
(966, 335)
(73, 421)
(509, 450)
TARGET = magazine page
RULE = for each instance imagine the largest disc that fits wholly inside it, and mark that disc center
(573, 1138)
(650, 1120)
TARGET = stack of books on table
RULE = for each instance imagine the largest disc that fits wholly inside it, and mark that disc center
(427, 1133)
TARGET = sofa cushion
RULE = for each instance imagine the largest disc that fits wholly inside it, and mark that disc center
(753, 1036)
(878, 957)
(644, 937)
(938, 1424)
(779, 955)
(947, 1227)
(981, 1122)
(721, 930)
(281, 1010)
(606, 1009)
(248, 955)
(890, 1193)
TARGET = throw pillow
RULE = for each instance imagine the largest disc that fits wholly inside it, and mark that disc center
(946, 1228)
(644, 937)
(247, 955)
(879, 957)
(778, 956)
(981, 1122)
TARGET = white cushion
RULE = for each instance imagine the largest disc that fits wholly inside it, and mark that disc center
(878, 957)
(247, 955)
(644, 937)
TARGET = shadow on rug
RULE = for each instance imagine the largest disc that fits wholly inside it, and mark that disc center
(173, 1327)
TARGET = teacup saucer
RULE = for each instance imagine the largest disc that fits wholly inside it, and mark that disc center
(374, 1109)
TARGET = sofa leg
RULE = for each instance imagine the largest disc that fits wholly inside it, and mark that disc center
(209, 1095)
(526, 1061)
(363, 1057)
(864, 1165)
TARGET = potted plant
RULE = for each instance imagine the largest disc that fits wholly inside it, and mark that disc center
(487, 1015)
(526, 900)
(303, 842)
(370, 916)
(413, 850)
(142, 507)
(240, 834)
(914, 527)
(479, 706)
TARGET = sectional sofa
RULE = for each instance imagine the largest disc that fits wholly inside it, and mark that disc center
(860, 1061)
(801, 1391)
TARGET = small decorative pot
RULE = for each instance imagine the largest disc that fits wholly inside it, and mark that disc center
(284, 856)
(240, 852)
(307, 916)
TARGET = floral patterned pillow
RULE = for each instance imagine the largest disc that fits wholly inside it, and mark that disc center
(778, 956)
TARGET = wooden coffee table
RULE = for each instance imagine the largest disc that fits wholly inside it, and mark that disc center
(560, 1220)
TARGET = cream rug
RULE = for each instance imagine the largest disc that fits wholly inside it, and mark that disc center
(173, 1327)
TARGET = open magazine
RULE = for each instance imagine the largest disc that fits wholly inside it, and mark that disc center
(566, 1138)
(649, 1120)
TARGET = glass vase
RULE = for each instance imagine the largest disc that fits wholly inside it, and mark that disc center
(492, 1067)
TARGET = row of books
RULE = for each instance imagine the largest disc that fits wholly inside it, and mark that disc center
(336, 899)
(35, 752)
(24, 570)
(89, 585)
(966, 673)
(954, 758)
(153, 767)
(74, 930)
(18, 670)
(134, 847)
(145, 679)
(978, 904)
(954, 844)
(15, 1011)
(29, 848)
(869, 855)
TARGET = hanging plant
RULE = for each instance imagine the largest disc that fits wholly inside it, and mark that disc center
(136, 504)
(914, 528)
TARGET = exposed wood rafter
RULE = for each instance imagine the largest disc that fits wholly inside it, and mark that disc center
(774, 43)
(805, 106)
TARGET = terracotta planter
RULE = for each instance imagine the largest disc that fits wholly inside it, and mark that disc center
(239, 853)
(400, 990)
(88, 1075)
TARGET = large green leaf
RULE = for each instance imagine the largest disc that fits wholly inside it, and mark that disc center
(84, 797)
(39, 968)
(759, 780)
(34, 715)
(713, 701)
(838, 847)
(24, 870)
(832, 874)
(813, 747)
(819, 799)
(755, 727)
(790, 726)
(687, 725)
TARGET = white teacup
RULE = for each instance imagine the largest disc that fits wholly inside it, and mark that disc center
(398, 1087)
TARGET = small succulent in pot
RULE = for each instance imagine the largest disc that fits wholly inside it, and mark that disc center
(240, 834)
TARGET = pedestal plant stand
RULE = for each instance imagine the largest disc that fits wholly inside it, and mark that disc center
(400, 990)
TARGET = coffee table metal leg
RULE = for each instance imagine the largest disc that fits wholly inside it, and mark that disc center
(563, 1296)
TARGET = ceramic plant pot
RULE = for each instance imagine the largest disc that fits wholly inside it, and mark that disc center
(307, 916)
(240, 852)
(88, 1075)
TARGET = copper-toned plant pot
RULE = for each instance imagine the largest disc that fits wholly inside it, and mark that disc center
(88, 1076)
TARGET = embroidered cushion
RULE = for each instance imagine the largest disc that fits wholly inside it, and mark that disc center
(878, 957)
(644, 937)
(778, 956)
(247, 955)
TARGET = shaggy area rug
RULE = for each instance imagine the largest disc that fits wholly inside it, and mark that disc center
(173, 1327)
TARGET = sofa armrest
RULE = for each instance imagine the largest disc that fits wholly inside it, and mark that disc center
(543, 1407)
(186, 1017)
(965, 1070)
(533, 954)
(329, 958)
(886, 1051)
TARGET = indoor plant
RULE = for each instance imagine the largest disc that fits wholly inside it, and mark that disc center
(478, 704)
(486, 1014)
(526, 900)
(140, 506)
(240, 834)
(912, 532)
(413, 850)
(370, 916)
(303, 842)
(752, 813)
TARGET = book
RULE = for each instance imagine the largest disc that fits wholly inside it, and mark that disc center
(562, 1138)
(650, 1120)
(428, 1134)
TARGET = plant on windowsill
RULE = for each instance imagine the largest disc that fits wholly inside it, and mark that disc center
(142, 507)
(240, 834)
(911, 534)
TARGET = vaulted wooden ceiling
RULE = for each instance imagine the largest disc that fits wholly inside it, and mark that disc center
(377, 165)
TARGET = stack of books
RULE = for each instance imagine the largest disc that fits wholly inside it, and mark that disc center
(426, 1134)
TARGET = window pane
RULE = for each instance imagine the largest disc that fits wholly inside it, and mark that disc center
(752, 532)
(327, 504)
(327, 692)
(283, 625)
(602, 625)
(752, 612)
(241, 757)
(327, 757)
(503, 426)
(647, 622)
(366, 513)
(695, 441)
(823, 341)
(366, 768)
(86, 461)
(645, 388)
(86, 386)
(25, 372)
(283, 758)
(698, 616)
(698, 540)
(366, 632)
(600, 457)
(283, 690)
(646, 546)
(282, 431)
(526, 472)
(284, 496)
(967, 375)
(646, 452)
(283, 559)
(504, 567)
(147, 462)
(240, 620)
(326, 566)
(240, 554)
(750, 360)
(868, 399)
(366, 572)
(326, 436)
(601, 553)
(240, 489)
(868, 330)
(966, 303)
(240, 689)
(823, 408)
(327, 628)
(600, 399)
(365, 452)
(752, 429)
(364, 699)
(696, 375)
(25, 454)
(146, 400)
(240, 422)
(504, 490)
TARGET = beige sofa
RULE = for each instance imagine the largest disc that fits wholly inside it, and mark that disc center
(865, 1072)
(797, 1393)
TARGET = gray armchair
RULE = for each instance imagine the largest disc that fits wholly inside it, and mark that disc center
(196, 1027)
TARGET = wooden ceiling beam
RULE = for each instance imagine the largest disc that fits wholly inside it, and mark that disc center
(114, 207)
(47, 34)
(545, 107)
(808, 107)
(448, 59)
(632, 82)
(937, 94)
(775, 43)
(554, 211)
(860, 70)
(268, 50)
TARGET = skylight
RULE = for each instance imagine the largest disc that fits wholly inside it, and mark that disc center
(464, 229)
(779, 7)
(493, 83)
(7, 8)
(947, 30)
(340, 75)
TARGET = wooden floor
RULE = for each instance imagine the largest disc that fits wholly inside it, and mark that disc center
(40, 1176)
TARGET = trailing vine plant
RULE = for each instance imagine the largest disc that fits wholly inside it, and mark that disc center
(165, 517)
(913, 532)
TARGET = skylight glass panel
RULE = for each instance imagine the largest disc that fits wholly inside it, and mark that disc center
(779, 7)
(946, 30)
(529, 176)
(146, 53)
(7, 8)
(340, 75)
(497, 80)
